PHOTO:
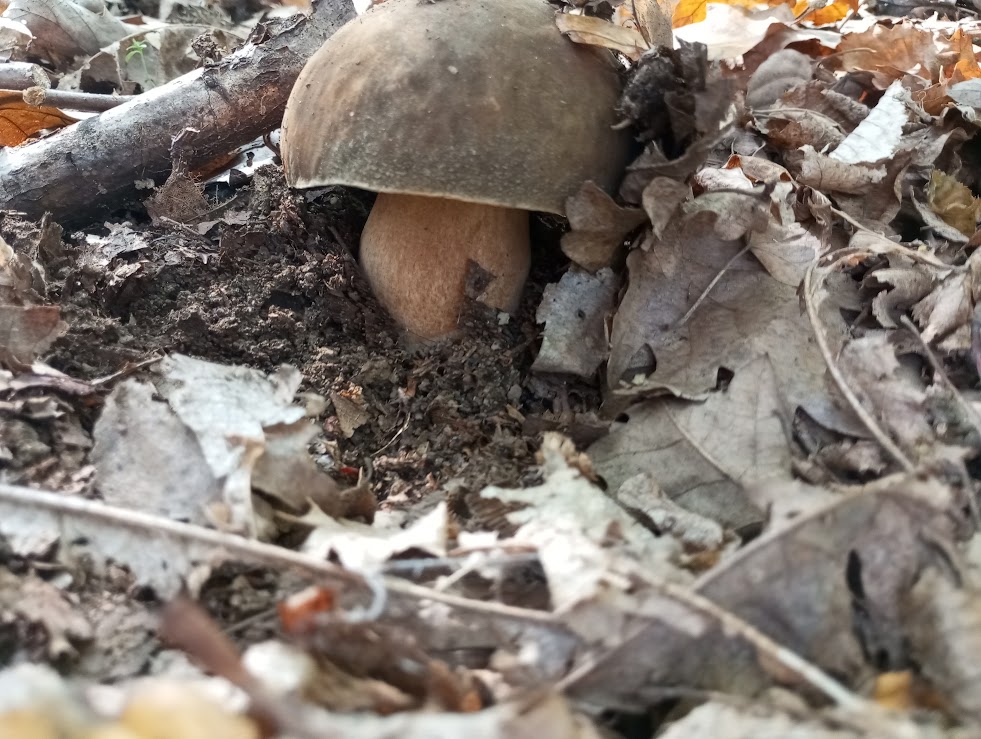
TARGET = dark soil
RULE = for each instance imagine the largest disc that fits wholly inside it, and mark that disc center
(282, 286)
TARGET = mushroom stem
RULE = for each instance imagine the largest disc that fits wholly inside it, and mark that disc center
(416, 252)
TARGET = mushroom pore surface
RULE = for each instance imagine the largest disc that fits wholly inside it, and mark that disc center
(431, 103)
(417, 253)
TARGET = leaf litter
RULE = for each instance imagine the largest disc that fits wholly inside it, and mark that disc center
(718, 476)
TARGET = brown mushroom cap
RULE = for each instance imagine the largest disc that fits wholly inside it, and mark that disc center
(475, 100)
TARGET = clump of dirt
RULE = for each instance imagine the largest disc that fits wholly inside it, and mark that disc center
(276, 281)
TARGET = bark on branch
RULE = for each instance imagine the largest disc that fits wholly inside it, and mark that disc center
(90, 166)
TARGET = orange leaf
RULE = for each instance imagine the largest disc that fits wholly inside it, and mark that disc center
(832, 13)
(966, 67)
(694, 11)
(19, 121)
(688, 12)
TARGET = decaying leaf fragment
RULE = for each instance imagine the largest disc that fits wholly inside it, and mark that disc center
(575, 312)
(226, 430)
(27, 329)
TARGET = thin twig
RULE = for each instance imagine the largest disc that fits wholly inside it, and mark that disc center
(891, 246)
(731, 625)
(269, 554)
(701, 298)
(939, 371)
(866, 418)
(66, 99)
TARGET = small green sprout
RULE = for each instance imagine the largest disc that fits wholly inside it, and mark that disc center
(136, 48)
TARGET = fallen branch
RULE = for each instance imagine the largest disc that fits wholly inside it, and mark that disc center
(65, 99)
(96, 163)
(21, 75)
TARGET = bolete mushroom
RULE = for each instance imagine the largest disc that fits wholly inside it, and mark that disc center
(463, 115)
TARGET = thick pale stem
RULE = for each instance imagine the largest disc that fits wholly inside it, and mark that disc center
(416, 253)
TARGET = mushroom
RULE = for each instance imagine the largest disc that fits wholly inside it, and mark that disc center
(463, 115)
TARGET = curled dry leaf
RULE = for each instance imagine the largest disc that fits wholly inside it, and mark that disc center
(953, 202)
(822, 172)
(948, 308)
(585, 29)
(877, 137)
(899, 285)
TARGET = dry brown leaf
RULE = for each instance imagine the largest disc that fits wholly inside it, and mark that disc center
(598, 227)
(43, 605)
(890, 52)
(732, 214)
(20, 121)
(826, 174)
(22, 280)
(843, 110)
(745, 315)
(893, 393)
(950, 305)
(28, 331)
(703, 454)
(586, 29)
(661, 199)
(819, 586)
(148, 460)
(786, 251)
(966, 67)
(899, 286)
(62, 30)
(794, 129)
(351, 410)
